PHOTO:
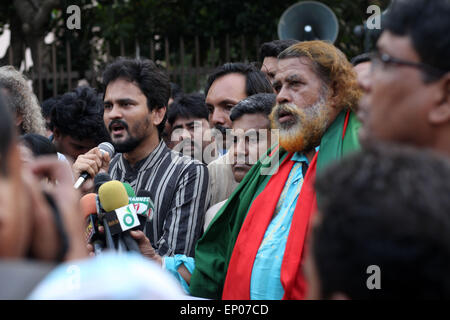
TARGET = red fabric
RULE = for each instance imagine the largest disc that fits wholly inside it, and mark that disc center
(237, 281)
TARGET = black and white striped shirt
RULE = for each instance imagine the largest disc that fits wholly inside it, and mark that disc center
(178, 187)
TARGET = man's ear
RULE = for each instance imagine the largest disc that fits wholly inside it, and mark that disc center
(56, 134)
(333, 95)
(440, 112)
(158, 115)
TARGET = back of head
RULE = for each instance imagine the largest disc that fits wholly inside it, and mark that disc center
(331, 66)
(389, 207)
(256, 81)
(21, 100)
(275, 47)
(188, 106)
(427, 24)
(38, 144)
(258, 103)
(79, 114)
(152, 81)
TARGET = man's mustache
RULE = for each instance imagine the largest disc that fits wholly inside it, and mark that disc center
(118, 121)
(222, 129)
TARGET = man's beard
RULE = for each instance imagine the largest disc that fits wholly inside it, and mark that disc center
(306, 128)
(132, 142)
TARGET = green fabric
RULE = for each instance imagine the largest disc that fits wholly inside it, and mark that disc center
(213, 251)
(332, 147)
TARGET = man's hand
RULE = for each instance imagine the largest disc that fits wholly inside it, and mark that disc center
(145, 246)
(92, 162)
(45, 238)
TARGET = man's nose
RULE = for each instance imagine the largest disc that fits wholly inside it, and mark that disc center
(115, 113)
(284, 96)
(218, 117)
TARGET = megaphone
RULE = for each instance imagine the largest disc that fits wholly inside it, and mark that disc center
(308, 20)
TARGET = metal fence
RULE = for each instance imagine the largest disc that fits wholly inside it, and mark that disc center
(188, 61)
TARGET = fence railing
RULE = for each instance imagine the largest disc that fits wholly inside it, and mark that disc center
(188, 61)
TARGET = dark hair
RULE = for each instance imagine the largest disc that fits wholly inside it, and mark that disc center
(38, 144)
(188, 106)
(175, 90)
(386, 206)
(427, 24)
(48, 105)
(152, 81)
(79, 114)
(361, 58)
(275, 47)
(257, 103)
(256, 80)
(6, 133)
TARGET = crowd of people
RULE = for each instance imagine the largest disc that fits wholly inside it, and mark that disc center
(291, 180)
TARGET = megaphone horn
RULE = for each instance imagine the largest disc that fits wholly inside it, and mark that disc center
(308, 20)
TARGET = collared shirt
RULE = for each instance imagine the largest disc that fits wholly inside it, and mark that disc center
(178, 187)
(265, 280)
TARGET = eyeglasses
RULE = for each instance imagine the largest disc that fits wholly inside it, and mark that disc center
(383, 59)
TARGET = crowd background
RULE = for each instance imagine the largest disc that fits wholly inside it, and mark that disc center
(187, 38)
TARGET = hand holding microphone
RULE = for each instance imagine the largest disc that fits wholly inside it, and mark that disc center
(89, 164)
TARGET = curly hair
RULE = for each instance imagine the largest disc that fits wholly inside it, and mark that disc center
(332, 67)
(21, 100)
(79, 114)
(386, 206)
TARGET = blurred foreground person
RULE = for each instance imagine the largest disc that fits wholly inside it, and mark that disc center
(38, 228)
(383, 227)
(407, 97)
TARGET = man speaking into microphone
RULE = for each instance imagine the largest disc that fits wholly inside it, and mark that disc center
(135, 100)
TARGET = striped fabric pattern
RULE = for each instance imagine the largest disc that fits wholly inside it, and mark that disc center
(178, 187)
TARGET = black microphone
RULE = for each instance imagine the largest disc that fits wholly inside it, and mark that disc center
(100, 179)
(105, 147)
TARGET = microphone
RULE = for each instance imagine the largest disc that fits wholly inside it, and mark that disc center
(145, 209)
(89, 211)
(100, 179)
(120, 216)
(105, 147)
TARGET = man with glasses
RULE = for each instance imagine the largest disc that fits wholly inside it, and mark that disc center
(407, 99)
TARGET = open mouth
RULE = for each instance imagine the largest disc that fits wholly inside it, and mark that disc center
(117, 128)
(285, 116)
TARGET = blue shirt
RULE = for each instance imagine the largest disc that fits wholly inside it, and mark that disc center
(265, 280)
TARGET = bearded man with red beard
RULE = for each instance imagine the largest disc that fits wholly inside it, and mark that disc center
(254, 246)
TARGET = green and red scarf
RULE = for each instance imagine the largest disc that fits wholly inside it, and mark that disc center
(225, 254)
